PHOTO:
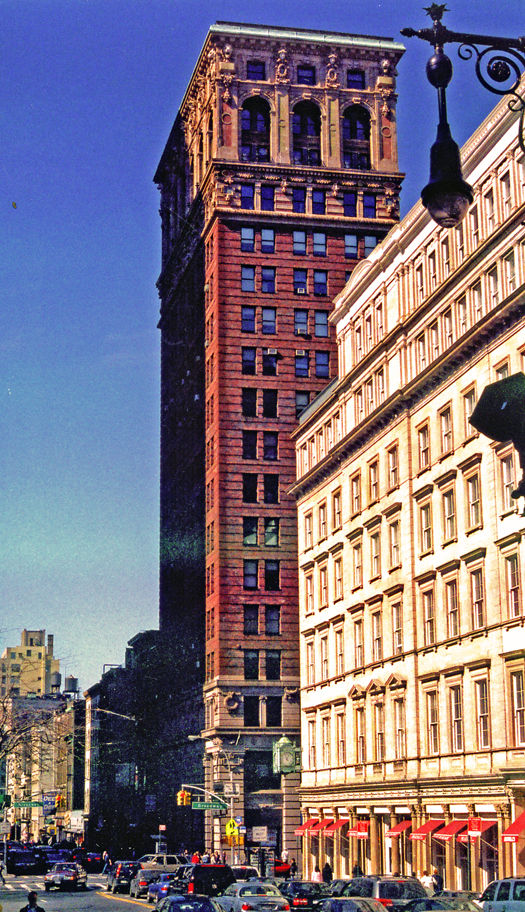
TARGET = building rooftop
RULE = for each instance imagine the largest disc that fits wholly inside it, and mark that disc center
(284, 32)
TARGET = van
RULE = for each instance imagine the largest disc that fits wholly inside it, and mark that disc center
(508, 894)
(205, 879)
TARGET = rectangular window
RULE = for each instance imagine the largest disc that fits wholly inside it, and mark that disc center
(373, 481)
(311, 744)
(336, 510)
(425, 527)
(377, 637)
(302, 399)
(250, 574)
(400, 729)
(273, 665)
(369, 205)
(270, 444)
(505, 195)
(357, 557)
(251, 711)
(397, 627)
(269, 403)
(300, 281)
(474, 226)
(393, 467)
(358, 644)
(351, 246)
(355, 79)
(518, 708)
(508, 481)
(477, 598)
(445, 421)
(456, 719)
(379, 725)
(327, 741)
(483, 714)
(320, 282)
(301, 322)
(318, 204)
(255, 70)
(319, 240)
(267, 198)
(322, 364)
(272, 575)
(249, 402)
(247, 318)
(473, 502)
(493, 286)
(269, 362)
(299, 243)
(249, 487)
(370, 243)
(248, 278)
(299, 199)
(249, 531)
(249, 444)
(269, 320)
(449, 515)
(513, 585)
(267, 240)
(360, 735)
(305, 74)
(429, 617)
(248, 361)
(423, 439)
(394, 544)
(251, 620)
(323, 643)
(268, 280)
(321, 324)
(302, 368)
(272, 620)
(350, 204)
(323, 586)
(341, 738)
(338, 579)
(509, 264)
(271, 489)
(247, 196)
(375, 555)
(451, 601)
(433, 722)
(271, 532)
(309, 593)
(247, 239)
(355, 493)
(322, 521)
(469, 401)
(273, 712)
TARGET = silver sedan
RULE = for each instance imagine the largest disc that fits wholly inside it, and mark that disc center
(255, 894)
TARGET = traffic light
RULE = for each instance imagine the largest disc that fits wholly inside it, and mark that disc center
(187, 798)
(180, 796)
(58, 802)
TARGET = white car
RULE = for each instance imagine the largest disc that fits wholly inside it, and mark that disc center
(66, 876)
(507, 895)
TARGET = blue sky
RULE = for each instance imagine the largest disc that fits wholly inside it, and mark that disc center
(88, 92)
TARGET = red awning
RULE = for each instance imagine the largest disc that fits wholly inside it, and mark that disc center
(512, 833)
(426, 828)
(360, 830)
(451, 829)
(336, 825)
(399, 828)
(484, 825)
(306, 825)
(321, 824)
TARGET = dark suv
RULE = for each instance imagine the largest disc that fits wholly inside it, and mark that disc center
(392, 892)
(205, 879)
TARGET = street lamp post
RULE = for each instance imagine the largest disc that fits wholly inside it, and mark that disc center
(499, 66)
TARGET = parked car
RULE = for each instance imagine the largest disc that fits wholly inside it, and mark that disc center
(303, 894)
(246, 872)
(51, 856)
(459, 895)
(159, 887)
(188, 903)
(162, 861)
(24, 861)
(507, 894)
(120, 875)
(255, 894)
(354, 904)
(140, 882)
(66, 875)
(205, 879)
(393, 892)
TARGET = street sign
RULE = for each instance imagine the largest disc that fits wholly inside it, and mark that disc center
(27, 804)
(5, 829)
(242, 830)
(231, 828)
(231, 789)
(207, 805)
(238, 820)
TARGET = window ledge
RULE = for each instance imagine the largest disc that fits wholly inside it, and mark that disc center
(474, 529)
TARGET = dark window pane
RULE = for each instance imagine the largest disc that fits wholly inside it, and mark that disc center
(273, 665)
(251, 711)
(318, 202)
(271, 489)
(249, 444)
(258, 771)
(321, 323)
(350, 204)
(249, 402)
(248, 361)
(300, 322)
(269, 403)
(251, 620)
(351, 246)
(268, 320)
(250, 569)
(267, 198)
(248, 278)
(299, 243)
(319, 243)
(268, 279)
(299, 199)
(273, 712)
(269, 363)
(272, 620)
(370, 243)
(369, 205)
(301, 365)
(305, 74)
(320, 282)
(271, 532)
(249, 531)
(355, 79)
(322, 364)
(270, 445)
(248, 319)
(251, 664)
(300, 281)
(302, 398)
(267, 240)
(249, 487)
(247, 239)
(271, 575)
(255, 69)
(246, 194)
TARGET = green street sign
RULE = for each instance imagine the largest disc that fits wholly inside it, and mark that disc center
(207, 805)
(28, 804)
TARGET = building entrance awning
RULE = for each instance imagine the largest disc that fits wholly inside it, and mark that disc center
(514, 831)
(360, 830)
(321, 824)
(451, 829)
(399, 828)
(336, 825)
(306, 825)
(426, 828)
(480, 828)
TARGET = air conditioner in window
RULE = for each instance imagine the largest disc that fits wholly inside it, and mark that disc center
(271, 351)
(300, 331)
(301, 353)
(300, 290)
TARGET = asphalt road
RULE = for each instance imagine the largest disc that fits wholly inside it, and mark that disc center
(95, 899)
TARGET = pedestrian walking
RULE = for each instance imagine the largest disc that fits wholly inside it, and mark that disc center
(32, 905)
(438, 881)
(357, 871)
(293, 868)
(427, 881)
(317, 877)
(327, 872)
(2, 878)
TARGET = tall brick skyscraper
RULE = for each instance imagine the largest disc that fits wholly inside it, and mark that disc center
(279, 174)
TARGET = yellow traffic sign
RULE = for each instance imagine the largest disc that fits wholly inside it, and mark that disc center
(231, 828)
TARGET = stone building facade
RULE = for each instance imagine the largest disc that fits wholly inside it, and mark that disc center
(279, 174)
(411, 553)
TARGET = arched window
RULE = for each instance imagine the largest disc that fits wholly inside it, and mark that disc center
(255, 130)
(356, 138)
(306, 129)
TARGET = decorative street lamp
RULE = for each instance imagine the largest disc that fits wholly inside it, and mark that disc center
(499, 67)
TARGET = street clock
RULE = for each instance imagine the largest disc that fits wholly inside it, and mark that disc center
(286, 756)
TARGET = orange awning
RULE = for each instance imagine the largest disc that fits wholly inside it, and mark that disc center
(306, 825)
(321, 824)
(360, 830)
(451, 829)
(426, 828)
(484, 825)
(399, 828)
(336, 825)
(512, 833)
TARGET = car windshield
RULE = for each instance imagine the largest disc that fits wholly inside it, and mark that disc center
(401, 889)
(305, 888)
(190, 905)
(259, 890)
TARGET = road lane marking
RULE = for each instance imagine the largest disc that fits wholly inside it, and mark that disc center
(136, 902)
